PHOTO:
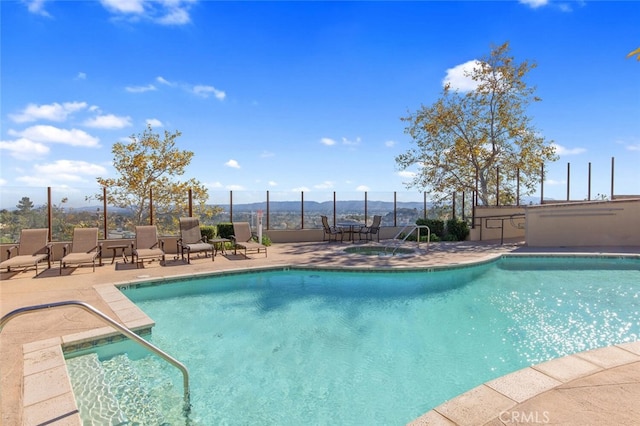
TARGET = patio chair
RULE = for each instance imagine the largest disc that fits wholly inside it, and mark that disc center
(243, 239)
(191, 239)
(331, 231)
(84, 249)
(370, 231)
(147, 245)
(32, 249)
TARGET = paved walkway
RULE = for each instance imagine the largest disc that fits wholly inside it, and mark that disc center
(596, 387)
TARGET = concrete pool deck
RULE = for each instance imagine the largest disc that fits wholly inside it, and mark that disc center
(601, 386)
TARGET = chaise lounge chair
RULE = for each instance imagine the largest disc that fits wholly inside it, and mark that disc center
(243, 239)
(191, 239)
(147, 245)
(331, 231)
(84, 248)
(32, 249)
(370, 231)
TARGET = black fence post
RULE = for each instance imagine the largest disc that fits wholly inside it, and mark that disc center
(104, 207)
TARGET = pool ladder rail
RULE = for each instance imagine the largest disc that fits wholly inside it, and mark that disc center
(397, 242)
(121, 328)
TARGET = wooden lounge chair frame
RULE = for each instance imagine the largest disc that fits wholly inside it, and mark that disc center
(32, 249)
(191, 239)
(84, 248)
(331, 231)
(147, 245)
(243, 239)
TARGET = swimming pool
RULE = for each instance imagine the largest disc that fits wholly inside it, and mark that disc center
(300, 346)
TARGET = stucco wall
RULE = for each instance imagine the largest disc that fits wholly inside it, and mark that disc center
(489, 219)
(594, 223)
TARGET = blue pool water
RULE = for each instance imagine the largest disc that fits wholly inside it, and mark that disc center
(307, 346)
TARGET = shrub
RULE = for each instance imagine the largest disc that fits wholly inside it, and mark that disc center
(208, 231)
(457, 230)
(225, 230)
(435, 225)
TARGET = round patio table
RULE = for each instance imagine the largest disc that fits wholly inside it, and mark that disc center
(352, 228)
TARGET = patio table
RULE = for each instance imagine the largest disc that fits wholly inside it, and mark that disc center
(351, 225)
(114, 249)
(218, 244)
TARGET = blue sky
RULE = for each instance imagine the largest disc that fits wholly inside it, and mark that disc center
(301, 96)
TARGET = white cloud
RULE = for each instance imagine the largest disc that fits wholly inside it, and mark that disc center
(457, 77)
(52, 112)
(34, 181)
(205, 91)
(175, 16)
(3, 182)
(108, 121)
(327, 184)
(346, 141)
(163, 12)
(235, 187)
(561, 150)
(124, 6)
(60, 172)
(300, 189)
(407, 174)
(390, 144)
(563, 7)
(163, 81)
(267, 154)
(327, 141)
(140, 89)
(69, 169)
(201, 90)
(553, 182)
(37, 7)
(81, 76)
(233, 164)
(24, 149)
(154, 122)
(215, 185)
(535, 3)
(51, 134)
(273, 183)
(362, 188)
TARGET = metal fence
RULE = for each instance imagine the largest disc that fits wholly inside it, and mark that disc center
(62, 209)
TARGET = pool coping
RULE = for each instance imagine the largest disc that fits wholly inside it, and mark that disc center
(497, 399)
(44, 360)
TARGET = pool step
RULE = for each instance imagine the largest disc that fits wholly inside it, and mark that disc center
(113, 391)
(96, 402)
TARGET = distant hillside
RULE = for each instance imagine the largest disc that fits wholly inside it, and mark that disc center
(325, 206)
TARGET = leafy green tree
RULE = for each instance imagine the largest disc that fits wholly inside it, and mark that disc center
(24, 205)
(148, 163)
(484, 132)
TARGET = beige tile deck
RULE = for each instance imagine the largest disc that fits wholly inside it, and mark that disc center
(581, 389)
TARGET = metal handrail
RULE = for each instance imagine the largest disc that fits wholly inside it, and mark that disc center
(413, 228)
(124, 330)
(502, 219)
